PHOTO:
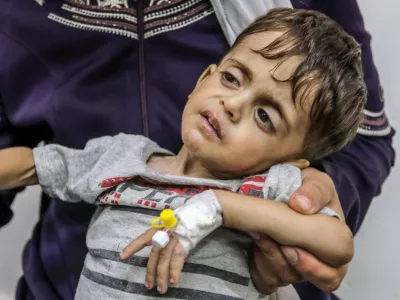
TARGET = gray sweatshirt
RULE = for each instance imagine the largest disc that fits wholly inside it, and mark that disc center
(112, 173)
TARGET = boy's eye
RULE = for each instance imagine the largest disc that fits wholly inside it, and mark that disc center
(231, 79)
(264, 118)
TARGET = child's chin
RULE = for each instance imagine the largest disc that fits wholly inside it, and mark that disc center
(193, 140)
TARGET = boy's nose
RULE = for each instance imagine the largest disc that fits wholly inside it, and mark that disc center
(233, 107)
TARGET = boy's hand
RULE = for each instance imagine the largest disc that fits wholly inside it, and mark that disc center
(274, 266)
(164, 265)
(200, 216)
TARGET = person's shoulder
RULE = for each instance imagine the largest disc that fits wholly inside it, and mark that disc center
(135, 140)
(138, 144)
(132, 138)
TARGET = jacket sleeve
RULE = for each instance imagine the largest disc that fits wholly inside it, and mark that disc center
(20, 123)
(9, 137)
(360, 170)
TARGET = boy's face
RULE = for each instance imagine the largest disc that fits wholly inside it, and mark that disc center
(239, 120)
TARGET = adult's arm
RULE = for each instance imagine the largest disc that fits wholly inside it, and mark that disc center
(358, 173)
(23, 78)
(360, 170)
(10, 136)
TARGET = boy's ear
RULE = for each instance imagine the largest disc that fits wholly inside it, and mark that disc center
(300, 163)
(207, 72)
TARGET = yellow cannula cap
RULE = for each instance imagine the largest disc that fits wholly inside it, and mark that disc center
(168, 218)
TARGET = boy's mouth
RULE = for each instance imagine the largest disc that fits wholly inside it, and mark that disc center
(211, 124)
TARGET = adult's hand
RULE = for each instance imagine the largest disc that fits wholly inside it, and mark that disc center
(273, 266)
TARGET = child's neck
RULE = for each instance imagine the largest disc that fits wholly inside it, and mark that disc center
(183, 164)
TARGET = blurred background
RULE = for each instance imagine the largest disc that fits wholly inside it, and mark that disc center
(373, 273)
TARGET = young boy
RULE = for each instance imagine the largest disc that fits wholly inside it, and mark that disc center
(289, 90)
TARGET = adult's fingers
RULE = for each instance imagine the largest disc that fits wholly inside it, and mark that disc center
(315, 271)
(317, 191)
(270, 268)
(260, 282)
(137, 244)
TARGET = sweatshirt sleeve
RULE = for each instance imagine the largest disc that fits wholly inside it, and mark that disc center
(67, 173)
(278, 185)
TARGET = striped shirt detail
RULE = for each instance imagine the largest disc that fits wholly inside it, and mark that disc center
(140, 289)
(187, 268)
(374, 124)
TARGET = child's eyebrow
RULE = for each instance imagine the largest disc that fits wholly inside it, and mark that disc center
(245, 69)
(266, 99)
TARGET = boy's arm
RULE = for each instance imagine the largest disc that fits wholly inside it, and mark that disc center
(62, 172)
(17, 168)
(324, 236)
(279, 185)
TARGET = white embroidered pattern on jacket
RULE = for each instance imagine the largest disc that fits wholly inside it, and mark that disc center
(112, 3)
(152, 2)
(81, 25)
(100, 15)
(40, 2)
(374, 124)
(119, 18)
(170, 11)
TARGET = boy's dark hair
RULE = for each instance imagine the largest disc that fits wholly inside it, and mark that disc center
(330, 71)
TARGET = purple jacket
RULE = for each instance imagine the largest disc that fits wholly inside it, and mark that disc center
(70, 72)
